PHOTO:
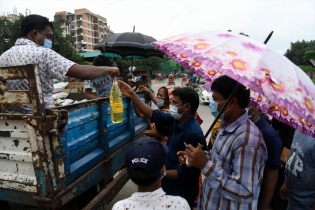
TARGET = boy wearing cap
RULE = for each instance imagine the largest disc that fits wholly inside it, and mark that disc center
(144, 160)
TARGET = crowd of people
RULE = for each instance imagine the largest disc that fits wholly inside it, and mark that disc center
(252, 162)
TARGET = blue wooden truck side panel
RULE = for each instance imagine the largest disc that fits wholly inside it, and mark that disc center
(88, 139)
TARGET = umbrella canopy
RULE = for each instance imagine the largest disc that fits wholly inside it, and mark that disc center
(279, 87)
(128, 44)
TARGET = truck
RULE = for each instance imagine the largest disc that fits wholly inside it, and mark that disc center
(49, 158)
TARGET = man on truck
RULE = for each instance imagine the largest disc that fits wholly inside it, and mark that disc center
(33, 47)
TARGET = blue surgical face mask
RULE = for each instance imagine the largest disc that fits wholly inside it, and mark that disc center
(164, 172)
(47, 42)
(214, 109)
(174, 112)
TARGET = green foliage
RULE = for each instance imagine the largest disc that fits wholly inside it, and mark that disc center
(297, 51)
(307, 68)
(9, 32)
(126, 63)
(309, 55)
(150, 64)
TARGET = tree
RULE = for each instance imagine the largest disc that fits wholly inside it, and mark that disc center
(297, 51)
(9, 32)
(150, 64)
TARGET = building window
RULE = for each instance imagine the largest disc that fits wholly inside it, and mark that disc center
(88, 32)
(88, 18)
(88, 25)
(89, 39)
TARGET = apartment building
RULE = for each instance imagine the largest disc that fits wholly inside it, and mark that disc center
(86, 27)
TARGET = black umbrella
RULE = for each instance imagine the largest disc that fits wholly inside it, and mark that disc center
(128, 43)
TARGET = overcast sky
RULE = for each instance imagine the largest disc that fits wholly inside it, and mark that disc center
(290, 20)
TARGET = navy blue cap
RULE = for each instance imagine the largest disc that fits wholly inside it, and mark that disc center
(146, 153)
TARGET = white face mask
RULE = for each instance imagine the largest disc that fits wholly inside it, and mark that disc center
(164, 173)
(251, 115)
(160, 102)
(174, 112)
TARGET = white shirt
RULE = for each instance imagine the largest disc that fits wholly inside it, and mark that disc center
(51, 66)
(152, 200)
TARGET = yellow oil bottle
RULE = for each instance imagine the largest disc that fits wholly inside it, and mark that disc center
(116, 103)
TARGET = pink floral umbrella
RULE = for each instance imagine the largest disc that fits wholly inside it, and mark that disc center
(278, 87)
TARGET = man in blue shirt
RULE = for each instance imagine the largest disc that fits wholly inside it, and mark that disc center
(102, 84)
(274, 149)
(180, 180)
(193, 79)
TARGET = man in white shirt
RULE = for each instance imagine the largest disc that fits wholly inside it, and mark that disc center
(34, 48)
(144, 160)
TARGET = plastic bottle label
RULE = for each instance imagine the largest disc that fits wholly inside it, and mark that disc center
(117, 107)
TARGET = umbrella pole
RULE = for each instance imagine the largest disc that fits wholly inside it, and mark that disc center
(216, 119)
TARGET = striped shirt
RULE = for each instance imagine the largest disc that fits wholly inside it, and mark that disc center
(234, 171)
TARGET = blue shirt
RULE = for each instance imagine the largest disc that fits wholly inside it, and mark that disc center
(193, 79)
(187, 184)
(235, 168)
(102, 85)
(273, 143)
(300, 172)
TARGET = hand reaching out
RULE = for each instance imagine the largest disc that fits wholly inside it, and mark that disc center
(126, 89)
(144, 88)
(150, 133)
(113, 72)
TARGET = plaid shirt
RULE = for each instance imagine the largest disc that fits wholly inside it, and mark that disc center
(235, 168)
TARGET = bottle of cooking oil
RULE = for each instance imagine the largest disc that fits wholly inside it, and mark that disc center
(116, 104)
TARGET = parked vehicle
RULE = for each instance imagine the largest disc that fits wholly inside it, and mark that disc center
(50, 157)
(206, 96)
(202, 80)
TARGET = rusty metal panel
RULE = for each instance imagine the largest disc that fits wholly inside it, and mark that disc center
(14, 97)
(13, 72)
(17, 171)
(33, 96)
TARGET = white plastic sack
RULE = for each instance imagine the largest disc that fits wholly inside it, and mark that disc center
(58, 87)
(60, 95)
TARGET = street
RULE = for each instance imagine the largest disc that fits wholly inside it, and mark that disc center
(205, 115)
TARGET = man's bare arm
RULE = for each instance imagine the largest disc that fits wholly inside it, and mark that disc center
(267, 188)
(86, 72)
